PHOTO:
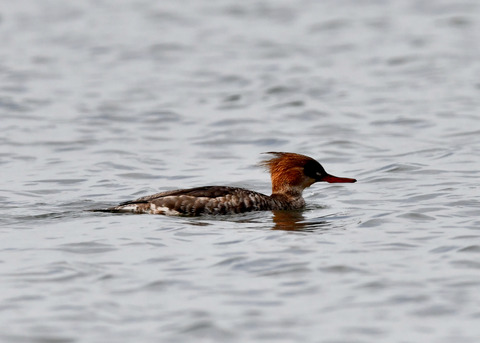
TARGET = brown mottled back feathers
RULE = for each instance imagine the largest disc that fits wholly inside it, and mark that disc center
(206, 200)
(207, 191)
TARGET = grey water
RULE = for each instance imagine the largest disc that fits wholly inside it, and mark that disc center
(106, 101)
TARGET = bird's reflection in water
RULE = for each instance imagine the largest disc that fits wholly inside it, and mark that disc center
(295, 221)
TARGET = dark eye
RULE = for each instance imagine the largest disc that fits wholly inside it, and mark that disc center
(313, 169)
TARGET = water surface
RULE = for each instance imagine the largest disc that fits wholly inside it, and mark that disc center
(102, 102)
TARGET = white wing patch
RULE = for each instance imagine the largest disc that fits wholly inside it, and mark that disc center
(154, 209)
(128, 208)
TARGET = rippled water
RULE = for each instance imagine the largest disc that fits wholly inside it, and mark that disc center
(102, 102)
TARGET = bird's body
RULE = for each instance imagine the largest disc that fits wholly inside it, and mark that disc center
(291, 174)
(209, 200)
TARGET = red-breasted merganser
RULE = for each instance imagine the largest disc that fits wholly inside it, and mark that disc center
(291, 174)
